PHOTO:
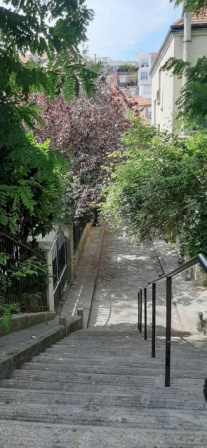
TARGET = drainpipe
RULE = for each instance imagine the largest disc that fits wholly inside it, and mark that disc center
(187, 39)
(186, 48)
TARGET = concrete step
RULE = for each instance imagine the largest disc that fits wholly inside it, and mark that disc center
(105, 416)
(184, 340)
(133, 358)
(102, 389)
(93, 362)
(133, 354)
(114, 370)
(138, 380)
(41, 435)
(97, 385)
(130, 342)
(130, 352)
(182, 388)
(161, 398)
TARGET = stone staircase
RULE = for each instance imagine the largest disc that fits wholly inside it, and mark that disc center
(100, 388)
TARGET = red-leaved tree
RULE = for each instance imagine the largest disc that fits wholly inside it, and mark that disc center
(87, 130)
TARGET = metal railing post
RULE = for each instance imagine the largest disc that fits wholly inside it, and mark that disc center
(140, 308)
(168, 330)
(145, 314)
(202, 260)
(153, 318)
(138, 300)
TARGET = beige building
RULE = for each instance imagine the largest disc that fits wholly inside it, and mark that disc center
(165, 87)
(145, 63)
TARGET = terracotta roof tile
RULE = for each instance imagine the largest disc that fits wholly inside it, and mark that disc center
(129, 102)
(153, 55)
(141, 101)
(28, 57)
(199, 18)
(25, 59)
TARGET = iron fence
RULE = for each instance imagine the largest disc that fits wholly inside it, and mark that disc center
(78, 229)
(60, 267)
(23, 274)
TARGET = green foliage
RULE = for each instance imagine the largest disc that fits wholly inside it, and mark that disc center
(41, 26)
(32, 300)
(130, 67)
(191, 5)
(5, 312)
(28, 274)
(32, 182)
(53, 28)
(192, 103)
(159, 188)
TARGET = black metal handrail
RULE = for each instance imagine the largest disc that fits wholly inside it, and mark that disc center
(199, 259)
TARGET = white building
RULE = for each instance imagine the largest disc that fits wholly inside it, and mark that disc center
(145, 62)
(165, 87)
(122, 74)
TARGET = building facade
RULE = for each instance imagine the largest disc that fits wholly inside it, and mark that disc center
(165, 87)
(122, 74)
(145, 63)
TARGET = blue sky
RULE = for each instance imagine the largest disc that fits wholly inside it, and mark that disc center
(121, 27)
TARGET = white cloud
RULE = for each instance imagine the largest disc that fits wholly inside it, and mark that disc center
(121, 26)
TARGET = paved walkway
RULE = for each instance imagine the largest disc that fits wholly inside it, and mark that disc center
(121, 268)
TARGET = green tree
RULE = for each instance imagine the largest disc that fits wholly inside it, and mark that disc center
(192, 102)
(159, 187)
(191, 5)
(32, 176)
(55, 28)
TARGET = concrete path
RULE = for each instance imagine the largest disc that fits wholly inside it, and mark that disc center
(80, 294)
(124, 267)
(188, 297)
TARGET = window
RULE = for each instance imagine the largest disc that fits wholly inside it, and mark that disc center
(160, 78)
(147, 90)
(143, 75)
(132, 91)
(144, 63)
(155, 104)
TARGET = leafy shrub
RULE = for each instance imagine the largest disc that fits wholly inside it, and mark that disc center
(159, 187)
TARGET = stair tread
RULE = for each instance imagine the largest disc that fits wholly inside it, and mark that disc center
(134, 370)
(96, 386)
(173, 399)
(39, 435)
(110, 416)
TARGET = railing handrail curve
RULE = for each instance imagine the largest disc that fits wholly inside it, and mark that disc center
(199, 259)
